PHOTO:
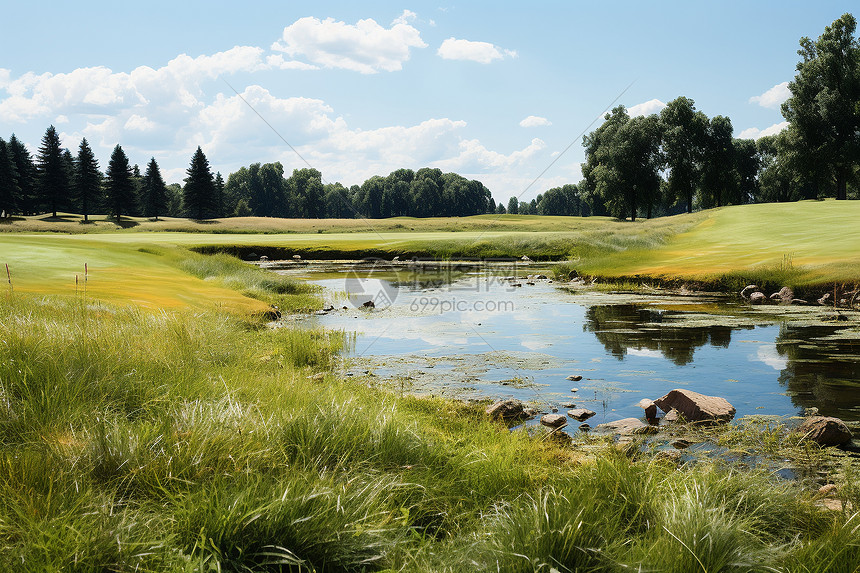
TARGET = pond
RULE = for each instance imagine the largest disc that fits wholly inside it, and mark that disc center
(475, 331)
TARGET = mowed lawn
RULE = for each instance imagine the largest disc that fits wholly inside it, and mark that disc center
(819, 240)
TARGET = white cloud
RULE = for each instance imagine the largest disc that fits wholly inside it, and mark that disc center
(535, 121)
(646, 108)
(769, 355)
(474, 157)
(61, 119)
(139, 123)
(278, 61)
(481, 52)
(755, 133)
(773, 97)
(405, 18)
(4, 77)
(364, 47)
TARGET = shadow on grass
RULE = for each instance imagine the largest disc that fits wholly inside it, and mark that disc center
(124, 223)
(10, 219)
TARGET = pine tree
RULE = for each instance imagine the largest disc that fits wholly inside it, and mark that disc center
(88, 179)
(119, 185)
(53, 181)
(9, 190)
(26, 174)
(219, 195)
(154, 191)
(199, 191)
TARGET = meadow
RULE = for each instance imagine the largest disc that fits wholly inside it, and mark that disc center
(151, 421)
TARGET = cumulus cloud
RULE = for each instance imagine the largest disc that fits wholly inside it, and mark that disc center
(474, 157)
(364, 47)
(481, 52)
(646, 108)
(773, 97)
(535, 121)
(755, 133)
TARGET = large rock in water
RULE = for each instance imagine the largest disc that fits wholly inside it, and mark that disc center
(825, 431)
(758, 298)
(581, 414)
(506, 410)
(695, 407)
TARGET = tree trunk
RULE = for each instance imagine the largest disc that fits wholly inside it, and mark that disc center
(841, 184)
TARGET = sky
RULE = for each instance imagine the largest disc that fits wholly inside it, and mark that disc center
(502, 92)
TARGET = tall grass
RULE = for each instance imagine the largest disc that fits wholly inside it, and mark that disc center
(134, 441)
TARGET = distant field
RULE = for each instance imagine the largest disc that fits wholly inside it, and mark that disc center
(802, 243)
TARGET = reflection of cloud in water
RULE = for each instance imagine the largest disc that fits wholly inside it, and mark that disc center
(535, 343)
(442, 334)
(644, 352)
(768, 354)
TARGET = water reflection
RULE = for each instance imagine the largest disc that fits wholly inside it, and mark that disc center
(820, 371)
(626, 327)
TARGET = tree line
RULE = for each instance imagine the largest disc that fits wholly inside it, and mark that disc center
(677, 160)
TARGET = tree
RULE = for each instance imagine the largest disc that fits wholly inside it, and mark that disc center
(26, 174)
(119, 185)
(823, 109)
(426, 192)
(153, 191)
(513, 205)
(88, 179)
(623, 160)
(10, 192)
(683, 136)
(746, 167)
(53, 181)
(306, 191)
(219, 195)
(199, 190)
(718, 160)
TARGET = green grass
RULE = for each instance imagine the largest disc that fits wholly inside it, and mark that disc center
(196, 440)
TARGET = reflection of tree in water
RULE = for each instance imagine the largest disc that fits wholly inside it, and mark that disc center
(621, 327)
(821, 373)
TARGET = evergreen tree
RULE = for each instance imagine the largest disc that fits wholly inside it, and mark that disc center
(9, 191)
(137, 179)
(25, 171)
(199, 190)
(513, 206)
(119, 185)
(153, 191)
(219, 195)
(53, 180)
(87, 180)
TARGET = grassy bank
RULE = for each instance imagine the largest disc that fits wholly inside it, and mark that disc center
(805, 245)
(194, 440)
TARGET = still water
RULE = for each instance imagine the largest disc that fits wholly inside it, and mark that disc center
(474, 333)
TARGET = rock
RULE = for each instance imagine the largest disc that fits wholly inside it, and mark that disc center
(748, 290)
(757, 298)
(581, 414)
(369, 304)
(671, 456)
(811, 411)
(252, 256)
(799, 302)
(695, 407)
(584, 427)
(681, 444)
(786, 295)
(825, 431)
(264, 258)
(395, 259)
(297, 257)
(525, 259)
(516, 284)
(775, 296)
(553, 420)
(574, 389)
(568, 405)
(553, 409)
(831, 504)
(529, 413)
(828, 490)
(506, 410)
(671, 416)
(626, 427)
(825, 299)
(530, 283)
(541, 277)
(574, 378)
(572, 275)
(650, 408)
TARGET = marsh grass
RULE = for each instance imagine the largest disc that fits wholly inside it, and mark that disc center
(140, 441)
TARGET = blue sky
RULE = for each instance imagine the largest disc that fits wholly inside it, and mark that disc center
(492, 90)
